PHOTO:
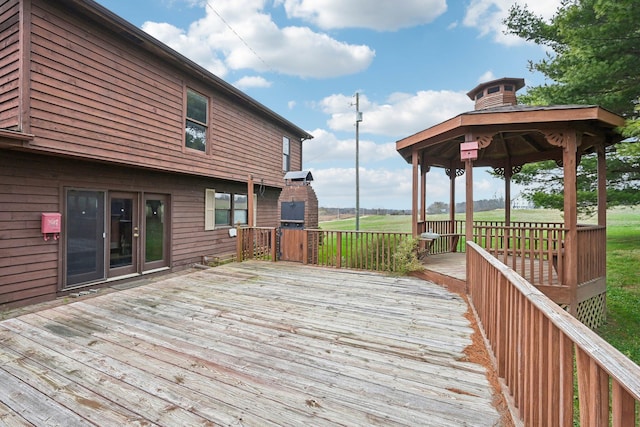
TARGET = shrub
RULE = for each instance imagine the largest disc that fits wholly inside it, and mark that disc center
(406, 257)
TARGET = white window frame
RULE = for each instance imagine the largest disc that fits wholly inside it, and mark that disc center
(286, 154)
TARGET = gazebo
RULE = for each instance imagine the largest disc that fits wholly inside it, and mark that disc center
(566, 261)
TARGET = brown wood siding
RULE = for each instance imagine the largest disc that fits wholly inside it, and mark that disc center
(30, 268)
(9, 64)
(97, 95)
(246, 144)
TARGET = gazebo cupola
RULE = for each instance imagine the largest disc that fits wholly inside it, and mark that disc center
(496, 93)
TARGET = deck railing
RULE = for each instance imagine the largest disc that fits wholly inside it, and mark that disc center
(256, 243)
(364, 250)
(538, 347)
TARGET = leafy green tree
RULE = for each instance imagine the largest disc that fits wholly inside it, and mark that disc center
(594, 58)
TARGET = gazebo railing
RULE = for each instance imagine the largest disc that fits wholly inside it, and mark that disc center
(592, 241)
(534, 251)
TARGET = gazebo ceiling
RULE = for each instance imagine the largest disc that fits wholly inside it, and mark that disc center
(513, 134)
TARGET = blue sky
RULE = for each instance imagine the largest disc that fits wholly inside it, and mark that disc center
(411, 61)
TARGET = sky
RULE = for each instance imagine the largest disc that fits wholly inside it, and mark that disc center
(411, 62)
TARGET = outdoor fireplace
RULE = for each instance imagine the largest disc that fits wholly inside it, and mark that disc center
(298, 203)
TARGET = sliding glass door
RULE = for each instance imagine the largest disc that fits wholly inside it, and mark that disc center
(156, 227)
(111, 234)
(85, 236)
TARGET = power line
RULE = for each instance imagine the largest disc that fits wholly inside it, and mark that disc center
(239, 37)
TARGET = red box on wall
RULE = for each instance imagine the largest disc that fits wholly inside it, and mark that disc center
(51, 223)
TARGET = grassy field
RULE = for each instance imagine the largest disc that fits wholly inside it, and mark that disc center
(622, 328)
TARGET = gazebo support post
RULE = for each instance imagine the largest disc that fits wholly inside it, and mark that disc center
(423, 190)
(414, 197)
(468, 222)
(507, 191)
(569, 160)
(452, 199)
(602, 186)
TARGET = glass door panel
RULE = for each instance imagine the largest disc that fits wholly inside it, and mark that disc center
(123, 234)
(155, 232)
(84, 236)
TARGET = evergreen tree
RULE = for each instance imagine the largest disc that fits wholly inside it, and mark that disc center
(594, 58)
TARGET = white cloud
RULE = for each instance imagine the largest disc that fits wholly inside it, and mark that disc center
(403, 114)
(326, 147)
(379, 188)
(240, 34)
(387, 188)
(291, 105)
(486, 77)
(384, 15)
(488, 16)
(203, 54)
(252, 81)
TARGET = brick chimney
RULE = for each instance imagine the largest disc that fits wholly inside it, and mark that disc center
(496, 93)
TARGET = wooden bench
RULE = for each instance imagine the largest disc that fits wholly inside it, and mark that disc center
(430, 238)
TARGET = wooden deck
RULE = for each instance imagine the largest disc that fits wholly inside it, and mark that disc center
(248, 344)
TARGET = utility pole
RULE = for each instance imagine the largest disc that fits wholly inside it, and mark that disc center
(358, 118)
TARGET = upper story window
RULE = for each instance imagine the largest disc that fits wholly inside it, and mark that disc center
(196, 121)
(508, 88)
(286, 154)
(493, 89)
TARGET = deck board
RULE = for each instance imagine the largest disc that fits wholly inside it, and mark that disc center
(248, 344)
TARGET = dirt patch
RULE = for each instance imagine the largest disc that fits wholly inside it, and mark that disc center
(477, 353)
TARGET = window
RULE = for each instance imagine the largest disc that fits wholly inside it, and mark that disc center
(240, 209)
(479, 95)
(286, 154)
(225, 209)
(508, 88)
(493, 89)
(196, 121)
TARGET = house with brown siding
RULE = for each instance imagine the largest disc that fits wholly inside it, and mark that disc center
(143, 158)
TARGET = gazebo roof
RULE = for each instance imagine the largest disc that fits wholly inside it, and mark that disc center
(518, 132)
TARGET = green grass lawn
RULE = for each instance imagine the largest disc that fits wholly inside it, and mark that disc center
(622, 328)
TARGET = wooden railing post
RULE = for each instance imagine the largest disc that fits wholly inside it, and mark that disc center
(274, 246)
(339, 249)
(305, 246)
(239, 244)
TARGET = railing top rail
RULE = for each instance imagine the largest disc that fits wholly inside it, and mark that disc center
(322, 230)
(617, 365)
(520, 227)
(583, 227)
